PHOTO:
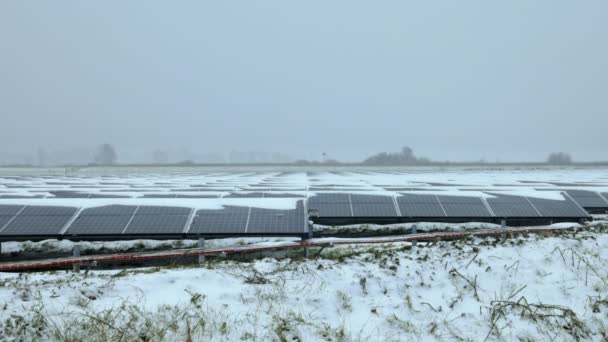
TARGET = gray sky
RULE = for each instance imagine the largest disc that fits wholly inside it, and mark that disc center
(456, 80)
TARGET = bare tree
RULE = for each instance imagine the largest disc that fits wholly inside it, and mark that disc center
(105, 155)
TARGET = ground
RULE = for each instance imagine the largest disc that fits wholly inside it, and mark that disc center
(519, 288)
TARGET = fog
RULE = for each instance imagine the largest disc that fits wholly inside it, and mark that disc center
(458, 80)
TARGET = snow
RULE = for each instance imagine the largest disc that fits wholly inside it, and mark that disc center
(385, 292)
(135, 183)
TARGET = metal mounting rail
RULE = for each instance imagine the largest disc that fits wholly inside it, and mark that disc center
(130, 257)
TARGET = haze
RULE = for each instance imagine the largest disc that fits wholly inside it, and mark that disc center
(459, 80)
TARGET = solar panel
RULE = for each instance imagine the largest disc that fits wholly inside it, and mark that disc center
(10, 210)
(463, 206)
(110, 210)
(557, 208)
(110, 219)
(230, 219)
(19, 196)
(245, 195)
(157, 224)
(414, 205)
(68, 194)
(157, 210)
(197, 196)
(36, 225)
(160, 196)
(47, 211)
(331, 204)
(98, 225)
(281, 195)
(587, 199)
(4, 219)
(373, 206)
(269, 221)
(107, 196)
(511, 206)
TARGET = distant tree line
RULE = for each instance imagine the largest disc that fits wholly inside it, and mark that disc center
(404, 157)
(559, 158)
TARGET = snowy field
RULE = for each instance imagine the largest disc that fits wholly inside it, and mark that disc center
(547, 288)
(525, 288)
(211, 188)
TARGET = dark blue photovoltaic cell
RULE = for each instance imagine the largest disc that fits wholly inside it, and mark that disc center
(331, 204)
(463, 206)
(415, 205)
(230, 219)
(110, 219)
(587, 199)
(557, 208)
(269, 221)
(158, 210)
(10, 210)
(373, 206)
(107, 196)
(160, 196)
(98, 224)
(157, 224)
(47, 211)
(36, 225)
(245, 195)
(511, 206)
(68, 194)
(110, 210)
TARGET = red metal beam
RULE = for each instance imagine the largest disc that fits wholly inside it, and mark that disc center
(67, 261)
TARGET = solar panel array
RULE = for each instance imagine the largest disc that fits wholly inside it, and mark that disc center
(588, 199)
(443, 206)
(152, 221)
(35, 220)
(127, 220)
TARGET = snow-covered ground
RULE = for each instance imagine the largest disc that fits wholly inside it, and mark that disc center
(202, 187)
(549, 288)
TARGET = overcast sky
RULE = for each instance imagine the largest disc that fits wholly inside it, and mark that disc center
(460, 80)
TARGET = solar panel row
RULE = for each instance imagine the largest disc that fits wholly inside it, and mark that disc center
(148, 220)
(19, 220)
(437, 206)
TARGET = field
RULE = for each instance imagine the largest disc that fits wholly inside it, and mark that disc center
(549, 287)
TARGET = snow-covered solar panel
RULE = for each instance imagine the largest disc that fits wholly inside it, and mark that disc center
(463, 206)
(414, 205)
